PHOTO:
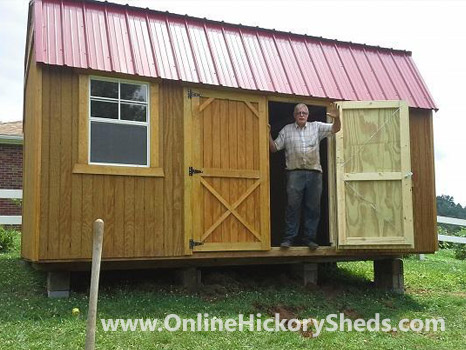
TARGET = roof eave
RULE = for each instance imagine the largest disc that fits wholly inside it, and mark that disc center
(11, 139)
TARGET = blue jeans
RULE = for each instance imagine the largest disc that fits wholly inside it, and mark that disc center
(303, 188)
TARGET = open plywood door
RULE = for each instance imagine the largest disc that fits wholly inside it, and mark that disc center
(373, 170)
(230, 196)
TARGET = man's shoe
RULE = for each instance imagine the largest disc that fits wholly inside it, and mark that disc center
(312, 245)
(285, 245)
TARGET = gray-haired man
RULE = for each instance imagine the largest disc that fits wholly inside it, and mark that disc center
(304, 173)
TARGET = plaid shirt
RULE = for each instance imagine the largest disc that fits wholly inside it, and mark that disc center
(302, 144)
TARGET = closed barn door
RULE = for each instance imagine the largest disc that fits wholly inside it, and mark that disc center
(229, 179)
(373, 168)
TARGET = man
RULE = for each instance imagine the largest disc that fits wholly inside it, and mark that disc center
(303, 171)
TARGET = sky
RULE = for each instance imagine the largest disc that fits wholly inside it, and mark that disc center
(435, 32)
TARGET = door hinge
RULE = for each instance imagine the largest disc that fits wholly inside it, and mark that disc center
(193, 243)
(193, 171)
(192, 94)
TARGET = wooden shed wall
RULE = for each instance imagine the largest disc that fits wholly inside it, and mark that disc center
(31, 162)
(143, 215)
(423, 168)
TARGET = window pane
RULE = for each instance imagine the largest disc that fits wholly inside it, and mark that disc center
(133, 92)
(118, 144)
(104, 88)
(133, 112)
(104, 109)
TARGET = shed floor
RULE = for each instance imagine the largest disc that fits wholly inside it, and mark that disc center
(273, 256)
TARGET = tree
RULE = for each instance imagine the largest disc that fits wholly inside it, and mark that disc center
(446, 206)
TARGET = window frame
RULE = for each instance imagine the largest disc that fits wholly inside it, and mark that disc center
(83, 165)
(120, 121)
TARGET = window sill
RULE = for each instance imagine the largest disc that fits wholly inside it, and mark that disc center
(117, 170)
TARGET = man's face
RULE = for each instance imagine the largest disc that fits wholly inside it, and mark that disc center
(301, 115)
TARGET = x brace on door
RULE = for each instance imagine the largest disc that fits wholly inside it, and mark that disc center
(231, 209)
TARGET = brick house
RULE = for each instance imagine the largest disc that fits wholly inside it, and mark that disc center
(11, 164)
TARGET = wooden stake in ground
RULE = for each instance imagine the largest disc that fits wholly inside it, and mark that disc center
(96, 258)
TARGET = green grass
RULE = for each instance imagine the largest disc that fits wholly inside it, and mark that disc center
(435, 287)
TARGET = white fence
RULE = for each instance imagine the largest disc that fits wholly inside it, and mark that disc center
(11, 219)
(451, 221)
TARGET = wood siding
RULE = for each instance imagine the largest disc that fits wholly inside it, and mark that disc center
(423, 168)
(31, 162)
(142, 215)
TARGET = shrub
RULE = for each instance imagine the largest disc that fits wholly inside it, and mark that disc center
(7, 238)
(443, 230)
(458, 248)
(17, 201)
(460, 252)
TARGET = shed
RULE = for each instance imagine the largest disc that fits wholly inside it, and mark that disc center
(158, 124)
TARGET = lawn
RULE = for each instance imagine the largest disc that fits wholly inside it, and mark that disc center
(435, 288)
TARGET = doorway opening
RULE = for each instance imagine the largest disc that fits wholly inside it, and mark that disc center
(281, 114)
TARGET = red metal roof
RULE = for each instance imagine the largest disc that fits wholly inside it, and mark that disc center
(116, 38)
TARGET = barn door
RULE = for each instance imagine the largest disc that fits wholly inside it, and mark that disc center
(373, 169)
(230, 181)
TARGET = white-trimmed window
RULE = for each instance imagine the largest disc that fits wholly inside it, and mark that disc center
(119, 122)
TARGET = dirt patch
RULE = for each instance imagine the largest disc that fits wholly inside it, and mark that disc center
(213, 292)
(389, 304)
(351, 313)
(218, 283)
(286, 313)
(307, 334)
(420, 291)
(331, 292)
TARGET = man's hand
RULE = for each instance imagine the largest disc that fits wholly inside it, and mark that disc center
(334, 113)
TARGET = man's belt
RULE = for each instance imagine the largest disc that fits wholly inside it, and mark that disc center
(315, 170)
